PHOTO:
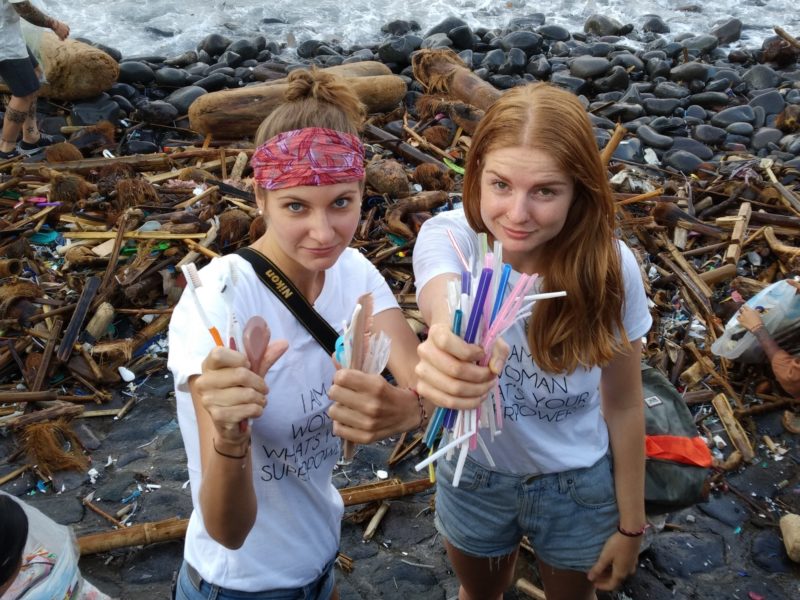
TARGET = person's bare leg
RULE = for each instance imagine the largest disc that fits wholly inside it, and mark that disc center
(14, 120)
(481, 578)
(30, 129)
(561, 584)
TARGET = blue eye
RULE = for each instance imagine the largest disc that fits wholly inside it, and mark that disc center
(294, 207)
(341, 202)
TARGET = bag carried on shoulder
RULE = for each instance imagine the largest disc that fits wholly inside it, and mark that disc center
(678, 460)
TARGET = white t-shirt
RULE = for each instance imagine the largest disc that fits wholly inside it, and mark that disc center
(12, 44)
(294, 450)
(552, 421)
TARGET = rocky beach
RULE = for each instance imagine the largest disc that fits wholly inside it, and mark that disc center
(701, 136)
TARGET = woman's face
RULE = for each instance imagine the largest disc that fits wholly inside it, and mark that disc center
(524, 202)
(312, 225)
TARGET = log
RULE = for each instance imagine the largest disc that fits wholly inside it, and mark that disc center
(398, 146)
(74, 70)
(232, 114)
(442, 72)
(424, 201)
(136, 535)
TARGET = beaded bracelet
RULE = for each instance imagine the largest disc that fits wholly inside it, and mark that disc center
(231, 456)
(423, 414)
(633, 534)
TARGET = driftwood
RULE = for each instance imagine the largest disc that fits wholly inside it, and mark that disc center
(733, 428)
(74, 70)
(230, 114)
(442, 72)
(424, 201)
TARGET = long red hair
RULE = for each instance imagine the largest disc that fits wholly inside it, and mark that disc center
(584, 328)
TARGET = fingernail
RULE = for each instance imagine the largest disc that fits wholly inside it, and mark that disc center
(496, 366)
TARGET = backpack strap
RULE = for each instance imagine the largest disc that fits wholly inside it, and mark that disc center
(286, 292)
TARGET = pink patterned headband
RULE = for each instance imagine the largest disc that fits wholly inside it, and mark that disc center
(309, 156)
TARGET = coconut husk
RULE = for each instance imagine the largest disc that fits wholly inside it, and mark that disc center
(62, 152)
(387, 177)
(110, 175)
(234, 225)
(788, 120)
(67, 188)
(431, 177)
(438, 135)
(15, 292)
(53, 447)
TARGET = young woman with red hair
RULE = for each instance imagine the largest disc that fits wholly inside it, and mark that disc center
(569, 464)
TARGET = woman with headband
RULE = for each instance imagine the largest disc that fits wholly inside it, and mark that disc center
(568, 469)
(266, 519)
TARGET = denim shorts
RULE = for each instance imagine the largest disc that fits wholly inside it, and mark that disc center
(190, 586)
(567, 516)
(19, 75)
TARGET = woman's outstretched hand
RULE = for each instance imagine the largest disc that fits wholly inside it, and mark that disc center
(448, 374)
(231, 391)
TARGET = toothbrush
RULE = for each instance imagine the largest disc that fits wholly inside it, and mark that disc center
(193, 282)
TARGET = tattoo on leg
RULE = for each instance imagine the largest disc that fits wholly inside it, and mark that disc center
(16, 116)
(32, 110)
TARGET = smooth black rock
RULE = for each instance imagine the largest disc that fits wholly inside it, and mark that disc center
(576, 85)
(601, 121)
(587, 67)
(102, 108)
(554, 32)
(617, 79)
(494, 60)
(632, 95)
(215, 44)
(715, 85)
(655, 24)
(245, 48)
(559, 49)
(123, 89)
(765, 136)
(710, 99)
(400, 27)
(683, 161)
(601, 25)
(759, 116)
(708, 134)
(62, 509)
(760, 77)
(399, 50)
(732, 115)
(601, 49)
(218, 81)
(514, 64)
(539, 67)
(727, 32)
(690, 70)
(462, 37)
(527, 41)
(445, 26)
(667, 89)
(633, 125)
(740, 129)
(308, 48)
(135, 72)
(157, 112)
(704, 43)
(169, 77)
(726, 509)
(503, 82)
(657, 67)
(772, 102)
(627, 60)
(699, 149)
(437, 40)
(183, 98)
(661, 106)
(112, 52)
(696, 112)
(732, 139)
(123, 103)
(653, 138)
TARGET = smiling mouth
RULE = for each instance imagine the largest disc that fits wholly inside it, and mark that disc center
(515, 233)
(322, 251)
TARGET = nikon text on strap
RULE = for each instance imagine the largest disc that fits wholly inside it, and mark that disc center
(285, 290)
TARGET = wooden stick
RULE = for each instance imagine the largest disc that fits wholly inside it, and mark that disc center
(790, 200)
(526, 587)
(60, 409)
(721, 273)
(780, 31)
(201, 249)
(397, 145)
(136, 535)
(375, 521)
(732, 426)
(383, 490)
(641, 197)
(96, 509)
(14, 474)
(32, 396)
(739, 229)
(71, 334)
(41, 372)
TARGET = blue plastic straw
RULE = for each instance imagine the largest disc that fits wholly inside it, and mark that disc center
(477, 307)
(501, 291)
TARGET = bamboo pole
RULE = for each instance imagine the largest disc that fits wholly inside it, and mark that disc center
(732, 426)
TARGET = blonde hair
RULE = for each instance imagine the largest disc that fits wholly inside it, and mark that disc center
(585, 328)
(314, 99)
